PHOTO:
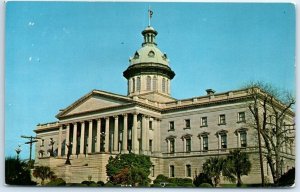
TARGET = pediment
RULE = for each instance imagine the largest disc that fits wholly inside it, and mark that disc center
(96, 100)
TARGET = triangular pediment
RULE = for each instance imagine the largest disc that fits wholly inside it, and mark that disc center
(95, 100)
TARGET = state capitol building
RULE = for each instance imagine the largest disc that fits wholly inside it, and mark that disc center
(178, 135)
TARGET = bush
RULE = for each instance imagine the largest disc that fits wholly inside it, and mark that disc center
(109, 184)
(93, 185)
(88, 183)
(56, 182)
(156, 185)
(205, 185)
(287, 179)
(202, 178)
(100, 183)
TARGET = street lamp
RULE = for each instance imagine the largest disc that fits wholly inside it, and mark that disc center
(18, 151)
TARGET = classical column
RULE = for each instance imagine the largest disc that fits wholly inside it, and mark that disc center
(184, 144)
(219, 136)
(98, 135)
(107, 134)
(59, 141)
(124, 140)
(158, 139)
(74, 146)
(82, 137)
(116, 134)
(144, 127)
(90, 136)
(169, 145)
(67, 139)
(134, 134)
(238, 139)
(147, 133)
(201, 143)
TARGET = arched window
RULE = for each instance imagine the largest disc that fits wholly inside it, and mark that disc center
(163, 87)
(138, 84)
(133, 85)
(155, 83)
(148, 83)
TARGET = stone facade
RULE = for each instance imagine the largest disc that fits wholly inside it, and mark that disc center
(178, 135)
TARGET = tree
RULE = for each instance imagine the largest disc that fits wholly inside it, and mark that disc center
(236, 165)
(213, 168)
(43, 172)
(273, 115)
(17, 172)
(129, 169)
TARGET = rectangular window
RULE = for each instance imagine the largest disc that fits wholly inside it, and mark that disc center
(172, 171)
(241, 117)
(187, 124)
(188, 144)
(188, 171)
(205, 143)
(171, 126)
(222, 120)
(223, 141)
(150, 125)
(172, 146)
(152, 171)
(243, 136)
(204, 122)
(150, 145)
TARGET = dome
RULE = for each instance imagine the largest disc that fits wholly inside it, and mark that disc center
(149, 53)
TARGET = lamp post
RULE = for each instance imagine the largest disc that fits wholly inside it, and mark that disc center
(18, 151)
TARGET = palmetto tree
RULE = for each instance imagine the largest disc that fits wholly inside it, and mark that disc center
(213, 168)
(43, 172)
(236, 165)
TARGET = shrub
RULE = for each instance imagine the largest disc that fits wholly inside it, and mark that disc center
(56, 182)
(202, 178)
(171, 185)
(156, 185)
(287, 179)
(93, 184)
(100, 183)
(160, 178)
(109, 184)
(205, 185)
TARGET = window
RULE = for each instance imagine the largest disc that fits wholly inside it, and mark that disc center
(187, 124)
(163, 86)
(138, 84)
(154, 83)
(222, 119)
(167, 86)
(223, 141)
(188, 144)
(150, 145)
(150, 125)
(243, 137)
(203, 121)
(172, 171)
(171, 126)
(205, 143)
(241, 117)
(152, 170)
(172, 146)
(148, 83)
(188, 170)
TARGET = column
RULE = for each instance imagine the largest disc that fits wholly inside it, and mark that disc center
(74, 146)
(184, 144)
(90, 136)
(67, 139)
(134, 134)
(201, 143)
(98, 143)
(158, 135)
(124, 140)
(219, 136)
(107, 134)
(169, 145)
(116, 134)
(59, 141)
(144, 142)
(238, 139)
(147, 133)
(82, 137)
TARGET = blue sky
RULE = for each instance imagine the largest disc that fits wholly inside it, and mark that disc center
(57, 52)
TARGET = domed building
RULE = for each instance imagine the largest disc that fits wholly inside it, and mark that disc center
(178, 135)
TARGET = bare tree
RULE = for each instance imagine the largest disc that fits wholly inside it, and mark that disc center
(273, 116)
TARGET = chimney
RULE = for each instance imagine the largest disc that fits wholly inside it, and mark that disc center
(210, 91)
